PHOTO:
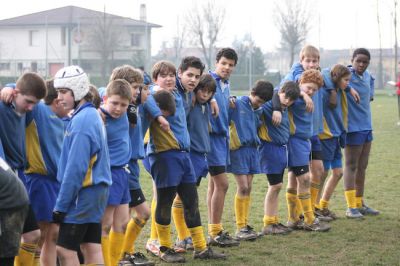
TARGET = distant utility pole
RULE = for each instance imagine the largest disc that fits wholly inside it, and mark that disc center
(395, 40)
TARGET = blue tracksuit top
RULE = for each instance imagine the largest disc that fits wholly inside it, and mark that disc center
(178, 136)
(270, 133)
(334, 123)
(2, 151)
(220, 124)
(243, 126)
(359, 114)
(84, 157)
(187, 96)
(300, 121)
(12, 135)
(198, 122)
(136, 136)
(44, 138)
(118, 140)
(294, 74)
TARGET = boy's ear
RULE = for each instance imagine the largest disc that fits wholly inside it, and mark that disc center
(179, 73)
(104, 99)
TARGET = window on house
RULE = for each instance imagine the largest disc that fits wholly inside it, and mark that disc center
(63, 36)
(19, 66)
(136, 39)
(34, 66)
(4, 66)
(33, 38)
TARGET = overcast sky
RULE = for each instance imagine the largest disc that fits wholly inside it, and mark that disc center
(337, 24)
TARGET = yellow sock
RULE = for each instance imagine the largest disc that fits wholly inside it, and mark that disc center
(116, 241)
(179, 219)
(153, 229)
(247, 209)
(133, 230)
(299, 209)
(268, 220)
(240, 209)
(214, 229)
(314, 190)
(26, 254)
(359, 202)
(351, 198)
(199, 241)
(276, 219)
(36, 260)
(105, 248)
(323, 204)
(291, 200)
(164, 235)
(305, 199)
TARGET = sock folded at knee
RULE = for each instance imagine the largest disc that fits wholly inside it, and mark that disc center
(179, 219)
(291, 200)
(26, 254)
(214, 229)
(199, 241)
(351, 198)
(105, 248)
(133, 230)
(314, 190)
(359, 201)
(164, 235)
(240, 211)
(268, 220)
(36, 260)
(305, 200)
(153, 229)
(116, 242)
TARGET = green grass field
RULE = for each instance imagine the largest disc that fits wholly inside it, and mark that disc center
(373, 241)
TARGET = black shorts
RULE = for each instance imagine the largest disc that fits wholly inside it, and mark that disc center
(11, 225)
(30, 222)
(299, 170)
(274, 179)
(216, 170)
(315, 155)
(137, 197)
(71, 236)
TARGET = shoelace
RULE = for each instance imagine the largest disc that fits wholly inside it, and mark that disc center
(139, 255)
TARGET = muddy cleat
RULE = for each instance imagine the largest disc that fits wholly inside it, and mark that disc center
(354, 213)
(169, 255)
(296, 225)
(275, 229)
(327, 213)
(366, 210)
(317, 226)
(223, 239)
(246, 233)
(135, 259)
(181, 246)
(208, 254)
(322, 216)
(153, 246)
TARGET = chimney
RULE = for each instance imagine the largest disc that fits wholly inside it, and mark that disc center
(143, 16)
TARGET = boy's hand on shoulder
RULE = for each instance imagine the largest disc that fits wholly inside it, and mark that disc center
(332, 99)
(164, 124)
(214, 108)
(355, 95)
(276, 118)
(232, 102)
(8, 94)
(309, 103)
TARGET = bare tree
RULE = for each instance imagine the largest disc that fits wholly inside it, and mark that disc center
(178, 41)
(205, 24)
(105, 38)
(292, 20)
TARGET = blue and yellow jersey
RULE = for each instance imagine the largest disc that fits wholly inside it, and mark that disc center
(12, 135)
(136, 136)
(198, 122)
(2, 151)
(359, 114)
(84, 159)
(243, 125)
(44, 138)
(294, 74)
(220, 124)
(334, 120)
(187, 96)
(300, 121)
(270, 133)
(177, 138)
(118, 140)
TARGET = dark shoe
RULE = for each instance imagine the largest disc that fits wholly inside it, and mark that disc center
(135, 259)
(246, 233)
(169, 255)
(208, 254)
(317, 226)
(274, 229)
(321, 215)
(284, 227)
(223, 239)
(366, 210)
(296, 225)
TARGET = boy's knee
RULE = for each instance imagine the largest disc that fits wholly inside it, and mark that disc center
(244, 190)
(31, 237)
(276, 187)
